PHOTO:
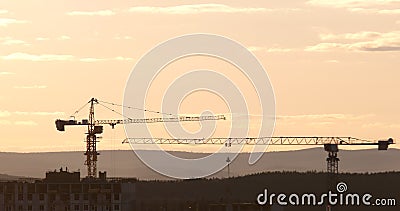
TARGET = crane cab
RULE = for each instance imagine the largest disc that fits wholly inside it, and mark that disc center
(60, 124)
(98, 129)
(384, 145)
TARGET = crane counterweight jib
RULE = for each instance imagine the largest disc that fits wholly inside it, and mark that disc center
(60, 124)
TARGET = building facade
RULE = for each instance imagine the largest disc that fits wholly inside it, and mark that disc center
(65, 191)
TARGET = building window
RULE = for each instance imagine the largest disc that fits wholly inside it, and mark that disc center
(116, 207)
(29, 207)
(29, 197)
(116, 197)
(76, 197)
(85, 196)
(20, 208)
(20, 188)
(76, 207)
(52, 197)
(41, 207)
(20, 197)
(41, 197)
(85, 207)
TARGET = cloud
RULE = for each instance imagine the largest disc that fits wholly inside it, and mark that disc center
(379, 48)
(18, 123)
(380, 125)
(121, 58)
(279, 50)
(360, 6)
(58, 57)
(31, 113)
(24, 113)
(376, 11)
(14, 42)
(351, 3)
(332, 61)
(39, 113)
(25, 123)
(5, 122)
(42, 38)
(11, 41)
(256, 48)
(41, 57)
(92, 13)
(3, 11)
(6, 73)
(91, 60)
(324, 47)
(389, 12)
(118, 58)
(31, 87)
(7, 21)
(5, 113)
(360, 41)
(269, 50)
(364, 35)
(318, 124)
(64, 37)
(196, 9)
(325, 116)
(123, 37)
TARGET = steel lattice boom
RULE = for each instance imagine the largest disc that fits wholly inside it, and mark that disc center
(256, 141)
(330, 144)
(155, 120)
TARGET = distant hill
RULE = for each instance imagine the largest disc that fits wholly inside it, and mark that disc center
(6, 177)
(125, 163)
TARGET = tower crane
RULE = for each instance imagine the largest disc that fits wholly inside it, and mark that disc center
(331, 144)
(95, 127)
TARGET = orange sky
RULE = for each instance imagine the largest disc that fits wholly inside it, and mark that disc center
(334, 65)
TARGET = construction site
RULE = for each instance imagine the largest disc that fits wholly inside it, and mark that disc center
(65, 190)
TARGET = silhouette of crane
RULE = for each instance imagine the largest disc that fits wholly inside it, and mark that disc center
(95, 127)
(331, 144)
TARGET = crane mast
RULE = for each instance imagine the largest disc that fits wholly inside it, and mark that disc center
(91, 149)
